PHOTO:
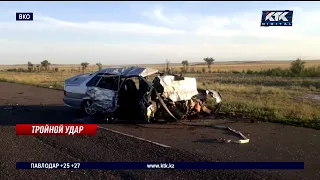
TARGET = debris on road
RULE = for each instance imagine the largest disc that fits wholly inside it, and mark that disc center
(244, 139)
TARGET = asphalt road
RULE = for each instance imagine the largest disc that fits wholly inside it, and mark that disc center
(188, 141)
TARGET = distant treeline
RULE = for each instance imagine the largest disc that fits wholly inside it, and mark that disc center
(45, 66)
(297, 69)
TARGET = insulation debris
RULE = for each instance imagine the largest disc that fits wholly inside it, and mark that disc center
(244, 139)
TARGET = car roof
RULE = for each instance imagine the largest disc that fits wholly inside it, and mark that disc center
(129, 71)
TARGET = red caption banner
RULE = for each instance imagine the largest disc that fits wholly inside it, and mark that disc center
(56, 129)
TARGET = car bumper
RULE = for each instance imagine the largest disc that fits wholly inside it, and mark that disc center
(72, 102)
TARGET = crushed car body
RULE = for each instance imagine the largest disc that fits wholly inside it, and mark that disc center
(126, 93)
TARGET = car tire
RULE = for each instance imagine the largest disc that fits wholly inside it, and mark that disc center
(87, 109)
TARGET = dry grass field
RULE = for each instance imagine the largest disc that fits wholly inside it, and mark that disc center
(217, 66)
(238, 66)
(289, 100)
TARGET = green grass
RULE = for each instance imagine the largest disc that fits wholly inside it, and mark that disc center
(280, 100)
(274, 99)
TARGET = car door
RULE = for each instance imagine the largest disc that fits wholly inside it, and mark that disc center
(103, 94)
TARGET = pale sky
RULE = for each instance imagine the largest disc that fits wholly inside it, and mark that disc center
(151, 32)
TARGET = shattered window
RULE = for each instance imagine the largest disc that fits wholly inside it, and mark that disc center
(135, 80)
(108, 83)
(94, 80)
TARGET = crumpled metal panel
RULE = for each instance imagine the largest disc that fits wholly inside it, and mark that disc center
(103, 99)
(132, 71)
(214, 94)
(178, 90)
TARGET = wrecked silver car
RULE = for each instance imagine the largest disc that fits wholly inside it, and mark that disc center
(126, 93)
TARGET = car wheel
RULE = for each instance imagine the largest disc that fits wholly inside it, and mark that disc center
(87, 107)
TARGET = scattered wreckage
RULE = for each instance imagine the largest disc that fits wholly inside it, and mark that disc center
(112, 94)
(116, 96)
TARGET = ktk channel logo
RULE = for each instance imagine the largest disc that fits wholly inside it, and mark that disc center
(276, 18)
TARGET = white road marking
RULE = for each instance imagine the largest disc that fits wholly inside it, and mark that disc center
(128, 135)
(132, 136)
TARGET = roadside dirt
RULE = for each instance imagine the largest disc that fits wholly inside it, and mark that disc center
(315, 97)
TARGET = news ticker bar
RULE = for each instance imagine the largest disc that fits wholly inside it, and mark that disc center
(56, 129)
(159, 165)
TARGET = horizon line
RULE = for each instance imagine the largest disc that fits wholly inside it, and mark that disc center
(170, 62)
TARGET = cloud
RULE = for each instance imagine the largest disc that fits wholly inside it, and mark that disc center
(211, 31)
(190, 24)
(172, 20)
(241, 24)
(111, 26)
(49, 23)
(115, 53)
(169, 34)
